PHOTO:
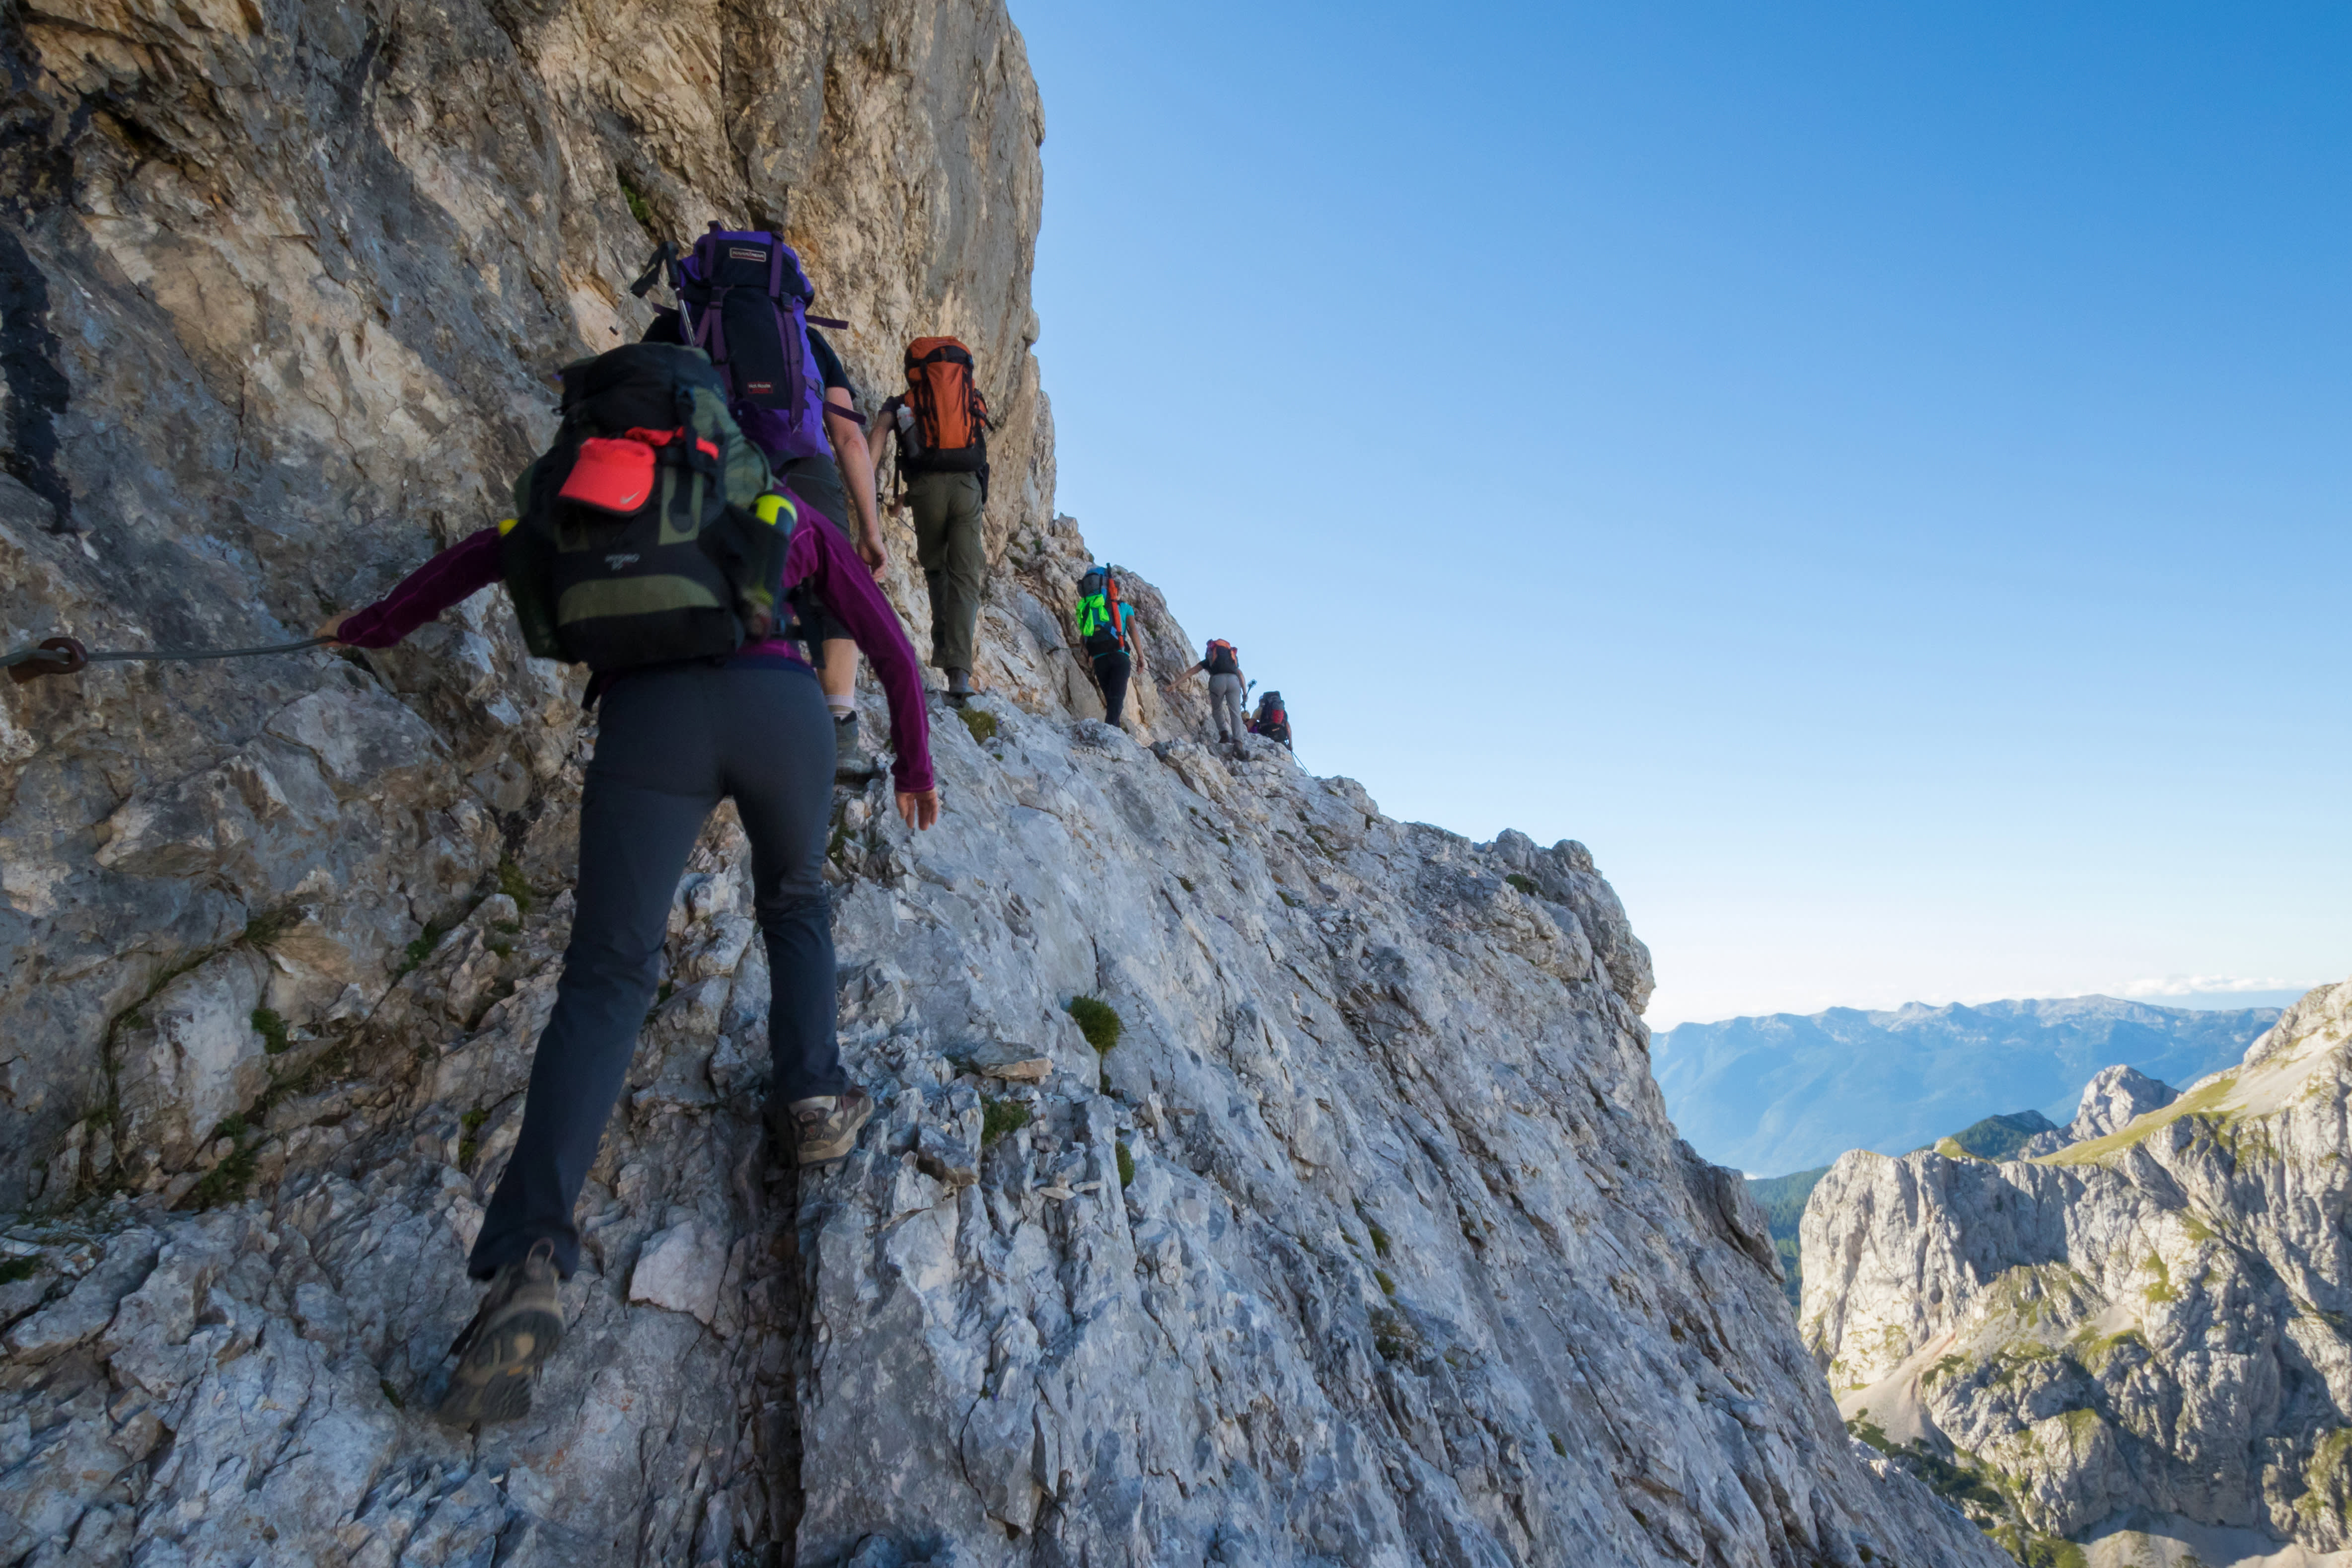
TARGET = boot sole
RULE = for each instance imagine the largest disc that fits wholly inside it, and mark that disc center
(494, 1381)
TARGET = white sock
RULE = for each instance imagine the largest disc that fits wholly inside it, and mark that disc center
(841, 708)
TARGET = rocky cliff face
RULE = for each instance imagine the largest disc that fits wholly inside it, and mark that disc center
(2148, 1330)
(1367, 1241)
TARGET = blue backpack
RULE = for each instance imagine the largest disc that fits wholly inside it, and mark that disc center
(743, 300)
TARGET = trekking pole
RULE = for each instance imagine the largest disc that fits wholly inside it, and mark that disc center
(67, 655)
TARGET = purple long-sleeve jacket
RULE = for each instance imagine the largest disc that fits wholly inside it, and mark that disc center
(818, 555)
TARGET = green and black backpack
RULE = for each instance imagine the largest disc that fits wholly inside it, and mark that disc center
(648, 532)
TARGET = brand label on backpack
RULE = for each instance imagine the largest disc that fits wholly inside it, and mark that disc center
(745, 253)
(615, 563)
(760, 388)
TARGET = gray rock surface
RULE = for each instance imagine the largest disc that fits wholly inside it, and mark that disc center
(1370, 1242)
(2153, 1322)
(2114, 1097)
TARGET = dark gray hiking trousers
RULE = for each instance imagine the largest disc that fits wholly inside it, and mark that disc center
(671, 743)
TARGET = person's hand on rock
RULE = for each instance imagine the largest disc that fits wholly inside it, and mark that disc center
(920, 809)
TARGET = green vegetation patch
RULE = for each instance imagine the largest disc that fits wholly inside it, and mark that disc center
(2000, 1137)
(999, 1117)
(1097, 1020)
(1523, 882)
(515, 885)
(469, 1142)
(272, 1030)
(227, 1182)
(1126, 1168)
(1393, 1336)
(638, 207)
(2204, 1101)
(1864, 1429)
(415, 955)
(980, 721)
(2162, 1290)
(17, 1268)
(2093, 1350)
(269, 926)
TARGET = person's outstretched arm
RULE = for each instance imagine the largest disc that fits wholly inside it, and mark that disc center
(886, 425)
(857, 467)
(459, 573)
(822, 557)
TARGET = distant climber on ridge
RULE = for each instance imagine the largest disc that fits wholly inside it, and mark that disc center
(647, 545)
(1223, 663)
(941, 423)
(743, 300)
(1271, 720)
(1103, 620)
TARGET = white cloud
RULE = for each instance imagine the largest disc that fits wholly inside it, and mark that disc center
(2201, 985)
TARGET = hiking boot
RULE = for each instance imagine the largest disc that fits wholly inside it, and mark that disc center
(849, 761)
(519, 1326)
(824, 1128)
(958, 686)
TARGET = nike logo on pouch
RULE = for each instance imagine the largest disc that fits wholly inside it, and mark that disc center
(615, 563)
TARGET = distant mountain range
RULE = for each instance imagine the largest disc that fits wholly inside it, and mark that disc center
(1783, 1094)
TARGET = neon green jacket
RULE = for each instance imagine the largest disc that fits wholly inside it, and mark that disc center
(1092, 614)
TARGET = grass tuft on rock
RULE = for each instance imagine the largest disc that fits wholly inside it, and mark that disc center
(999, 1117)
(1126, 1168)
(515, 885)
(272, 1030)
(1523, 882)
(227, 1182)
(469, 1142)
(980, 721)
(1097, 1020)
(638, 207)
(17, 1268)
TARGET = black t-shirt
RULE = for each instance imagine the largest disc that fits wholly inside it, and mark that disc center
(828, 364)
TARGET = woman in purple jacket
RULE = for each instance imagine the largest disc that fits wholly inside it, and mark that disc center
(672, 741)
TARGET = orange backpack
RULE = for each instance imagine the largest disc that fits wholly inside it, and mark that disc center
(951, 413)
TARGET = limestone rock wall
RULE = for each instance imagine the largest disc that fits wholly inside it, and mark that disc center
(2152, 1323)
(1369, 1243)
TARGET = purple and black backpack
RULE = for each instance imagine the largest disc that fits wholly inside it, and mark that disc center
(743, 300)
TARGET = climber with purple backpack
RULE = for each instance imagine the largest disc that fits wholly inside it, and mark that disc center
(650, 544)
(743, 298)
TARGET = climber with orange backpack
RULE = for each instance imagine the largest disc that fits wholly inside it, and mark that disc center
(941, 423)
(1103, 619)
(1226, 688)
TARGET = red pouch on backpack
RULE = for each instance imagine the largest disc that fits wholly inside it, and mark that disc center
(611, 474)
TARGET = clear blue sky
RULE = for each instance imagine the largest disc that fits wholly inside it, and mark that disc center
(1877, 474)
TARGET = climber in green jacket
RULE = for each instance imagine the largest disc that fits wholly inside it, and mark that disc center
(1104, 621)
